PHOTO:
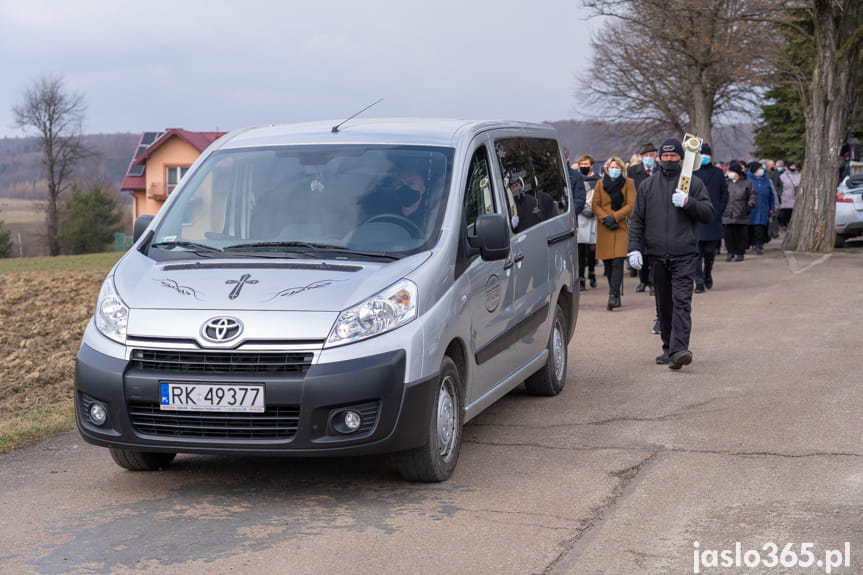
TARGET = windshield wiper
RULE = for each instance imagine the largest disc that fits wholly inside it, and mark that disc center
(191, 246)
(313, 247)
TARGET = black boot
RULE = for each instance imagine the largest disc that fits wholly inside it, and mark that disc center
(581, 284)
(592, 279)
(729, 257)
(708, 273)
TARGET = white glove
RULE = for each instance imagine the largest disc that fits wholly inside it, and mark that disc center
(635, 261)
(679, 198)
(514, 221)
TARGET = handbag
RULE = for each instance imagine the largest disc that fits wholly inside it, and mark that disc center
(773, 226)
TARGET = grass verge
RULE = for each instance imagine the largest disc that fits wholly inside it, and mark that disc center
(36, 425)
(77, 262)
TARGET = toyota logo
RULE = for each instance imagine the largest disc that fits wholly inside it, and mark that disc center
(222, 329)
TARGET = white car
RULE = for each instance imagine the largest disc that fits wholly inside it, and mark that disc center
(849, 209)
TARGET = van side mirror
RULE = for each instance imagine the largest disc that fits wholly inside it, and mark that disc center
(491, 239)
(141, 223)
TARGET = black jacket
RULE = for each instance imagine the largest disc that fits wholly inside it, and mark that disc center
(579, 193)
(717, 188)
(659, 227)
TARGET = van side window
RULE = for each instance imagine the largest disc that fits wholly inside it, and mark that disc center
(479, 195)
(533, 173)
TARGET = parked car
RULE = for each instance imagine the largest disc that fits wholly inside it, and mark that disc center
(310, 290)
(849, 209)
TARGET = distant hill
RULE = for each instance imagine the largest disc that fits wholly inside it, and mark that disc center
(22, 175)
(602, 140)
(21, 172)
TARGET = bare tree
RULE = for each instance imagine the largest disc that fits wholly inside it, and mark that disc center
(56, 117)
(829, 98)
(678, 65)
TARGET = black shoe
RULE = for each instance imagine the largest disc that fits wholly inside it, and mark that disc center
(652, 291)
(739, 258)
(617, 301)
(699, 288)
(708, 282)
(758, 251)
(663, 359)
(592, 281)
(581, 285)
(729, 257)
(640, 288)
(680, 359)
(655, 329)
(610, 305)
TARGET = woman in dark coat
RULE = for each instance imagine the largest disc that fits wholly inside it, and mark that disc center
(741, 199)
(764, 206)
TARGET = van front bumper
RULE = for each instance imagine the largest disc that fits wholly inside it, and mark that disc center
(299, 418)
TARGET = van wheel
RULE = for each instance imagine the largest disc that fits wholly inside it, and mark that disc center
(551, 378)
(435, 461)
(141, 460)
(839, 242)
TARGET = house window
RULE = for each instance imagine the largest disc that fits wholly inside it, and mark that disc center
(172, 177)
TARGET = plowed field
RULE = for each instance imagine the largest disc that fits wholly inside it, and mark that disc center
(42, 318)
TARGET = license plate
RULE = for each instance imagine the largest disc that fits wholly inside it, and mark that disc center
(206, 397)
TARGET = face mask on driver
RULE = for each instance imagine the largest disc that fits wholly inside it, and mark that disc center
(407, 196)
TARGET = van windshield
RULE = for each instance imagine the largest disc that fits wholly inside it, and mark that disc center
(346, 201)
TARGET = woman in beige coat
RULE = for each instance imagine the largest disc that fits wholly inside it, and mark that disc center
(613, 200)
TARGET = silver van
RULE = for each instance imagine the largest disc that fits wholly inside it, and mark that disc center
(311, 290)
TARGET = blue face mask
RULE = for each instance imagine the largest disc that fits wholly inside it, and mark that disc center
(780, 169)
(648, 162)
(705, 160)
(613, 173)
(759, 173)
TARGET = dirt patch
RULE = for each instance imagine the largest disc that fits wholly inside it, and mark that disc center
(43, 315)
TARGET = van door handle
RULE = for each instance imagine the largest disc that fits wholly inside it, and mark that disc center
(519, 256)
(508, 263)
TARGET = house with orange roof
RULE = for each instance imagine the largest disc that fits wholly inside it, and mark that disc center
(160, 160)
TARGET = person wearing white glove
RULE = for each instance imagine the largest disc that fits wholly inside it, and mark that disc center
(635, 261)
(666, 239)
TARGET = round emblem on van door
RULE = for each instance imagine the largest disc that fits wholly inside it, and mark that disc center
(221, 329)
(492, 293)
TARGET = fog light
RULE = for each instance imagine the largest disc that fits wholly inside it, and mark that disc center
(98, 414)
(352, 421)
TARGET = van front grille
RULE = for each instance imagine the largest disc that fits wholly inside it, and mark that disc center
(278, 422)
(224, 363)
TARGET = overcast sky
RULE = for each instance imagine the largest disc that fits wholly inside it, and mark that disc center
(216, 65)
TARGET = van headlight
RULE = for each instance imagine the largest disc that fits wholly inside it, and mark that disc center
(391, 308)
(112, 314)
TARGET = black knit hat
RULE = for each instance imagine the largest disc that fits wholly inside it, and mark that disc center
(671, 145)
(736, 167)
(754, 166)
(705, 149)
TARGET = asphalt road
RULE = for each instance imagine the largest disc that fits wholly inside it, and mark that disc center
(634, 468)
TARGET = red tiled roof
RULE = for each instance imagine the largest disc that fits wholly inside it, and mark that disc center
(198, 140)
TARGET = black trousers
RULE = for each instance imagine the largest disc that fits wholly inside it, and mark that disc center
(736, 238)
(706, 255)
(673, 282)
(758, 235)
(586, 259)
(613, 269)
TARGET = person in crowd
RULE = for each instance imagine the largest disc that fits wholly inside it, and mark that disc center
(773, 175)
(527, 209)
(710, 234)
(790, 182)
(764, 206)
(586, 233)
(576, 182)
(613, 199)
(735, 218)
(664, 225)
(638, 174)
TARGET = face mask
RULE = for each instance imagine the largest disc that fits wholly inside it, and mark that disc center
(584, 170)
(780, 169)
(670, 168)
(648, 162)
(732, 176)
(705, 160)
(759, 173)
(613, 173)
(407, 196)
(792, 170)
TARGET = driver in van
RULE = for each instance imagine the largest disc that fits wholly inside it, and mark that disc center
(410, 189)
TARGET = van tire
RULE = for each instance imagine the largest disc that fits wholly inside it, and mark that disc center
(141, 460)
(436, 460)
(551, 378)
